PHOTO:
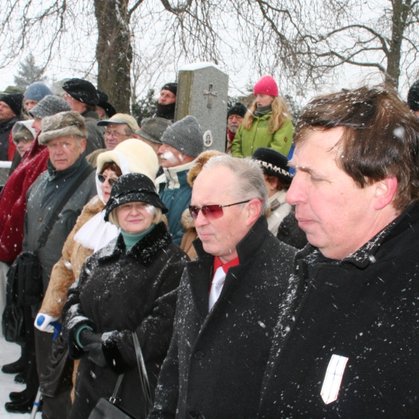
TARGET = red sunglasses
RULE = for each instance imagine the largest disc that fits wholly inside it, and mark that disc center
(211, 211)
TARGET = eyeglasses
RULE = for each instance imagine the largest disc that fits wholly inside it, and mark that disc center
(211, 211)
(111, 180)
(116, 134)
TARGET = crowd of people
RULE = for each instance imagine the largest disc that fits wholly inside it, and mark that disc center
(276, 278)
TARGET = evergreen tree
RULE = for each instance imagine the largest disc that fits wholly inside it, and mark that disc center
(145, 107)
(28, 73)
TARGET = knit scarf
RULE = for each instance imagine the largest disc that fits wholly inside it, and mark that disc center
(262, 110)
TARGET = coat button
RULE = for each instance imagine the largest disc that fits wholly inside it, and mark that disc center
(40, 219)
(199, 355)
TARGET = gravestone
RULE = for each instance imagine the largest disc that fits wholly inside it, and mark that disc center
(202, 92)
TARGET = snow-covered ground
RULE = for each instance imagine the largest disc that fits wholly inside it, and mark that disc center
(9, 352)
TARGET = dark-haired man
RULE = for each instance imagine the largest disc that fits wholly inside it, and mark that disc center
(166, 103)
(347, 334)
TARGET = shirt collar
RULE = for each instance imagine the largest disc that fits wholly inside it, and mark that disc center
(226, 266)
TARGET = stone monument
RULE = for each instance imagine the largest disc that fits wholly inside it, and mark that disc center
(202, 92)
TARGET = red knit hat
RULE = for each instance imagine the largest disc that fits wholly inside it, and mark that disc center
(266, 86)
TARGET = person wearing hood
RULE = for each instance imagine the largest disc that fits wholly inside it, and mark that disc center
(125, 288)
(267, 122)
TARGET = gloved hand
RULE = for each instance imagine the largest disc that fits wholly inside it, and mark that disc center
(92, 344)
(44, 322)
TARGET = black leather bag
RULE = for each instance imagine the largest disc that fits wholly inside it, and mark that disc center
(29, 273)
(107, 408)
(24, 288)
(13, 324)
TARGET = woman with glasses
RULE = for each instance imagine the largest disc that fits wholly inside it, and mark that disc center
(125, 288)
(90, 233)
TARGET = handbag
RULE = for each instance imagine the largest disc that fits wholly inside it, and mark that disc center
(107, 408)
(21, 292)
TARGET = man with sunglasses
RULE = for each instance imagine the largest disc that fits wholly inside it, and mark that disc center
(228, 298)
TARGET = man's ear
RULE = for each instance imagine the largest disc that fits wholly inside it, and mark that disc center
(83, 145)
(254, 210)
(385, 191)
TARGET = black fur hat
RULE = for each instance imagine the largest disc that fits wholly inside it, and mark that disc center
(273, 163)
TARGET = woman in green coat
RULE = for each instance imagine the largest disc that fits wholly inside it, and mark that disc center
(267, 123)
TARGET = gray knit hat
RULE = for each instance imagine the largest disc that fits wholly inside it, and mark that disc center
(153, 128)
(48, 106)
(185, 135)
(60, 125)
(36, 91)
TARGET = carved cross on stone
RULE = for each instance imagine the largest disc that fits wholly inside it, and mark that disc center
(210, 94)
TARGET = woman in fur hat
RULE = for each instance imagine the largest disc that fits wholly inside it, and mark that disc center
(126, 287)
(267, 122)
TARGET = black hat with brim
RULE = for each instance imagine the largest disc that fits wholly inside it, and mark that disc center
(133, 187)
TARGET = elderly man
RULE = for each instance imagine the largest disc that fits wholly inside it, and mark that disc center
(228, 298)
(118, 128)
(347, 338)
(235, 117)
(152, 130)
(54, 202)
(181, 144)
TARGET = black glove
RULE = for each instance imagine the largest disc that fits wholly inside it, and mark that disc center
(113, 343)
(92, 344)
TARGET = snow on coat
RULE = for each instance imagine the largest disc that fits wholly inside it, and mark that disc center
(124, 292)
(362, 310)
(216, 360)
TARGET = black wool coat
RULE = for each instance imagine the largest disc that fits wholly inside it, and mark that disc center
(216, 360)
(364, 309)
(123, 292)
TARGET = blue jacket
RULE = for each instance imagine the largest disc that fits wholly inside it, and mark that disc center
(175, 193)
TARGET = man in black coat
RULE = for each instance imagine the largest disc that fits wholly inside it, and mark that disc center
(347, 340)
(227, 300)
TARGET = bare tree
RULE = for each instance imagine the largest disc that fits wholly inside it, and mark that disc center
(125, 45)
(380, 44)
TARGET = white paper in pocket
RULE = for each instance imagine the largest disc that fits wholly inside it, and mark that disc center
(333, 378)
